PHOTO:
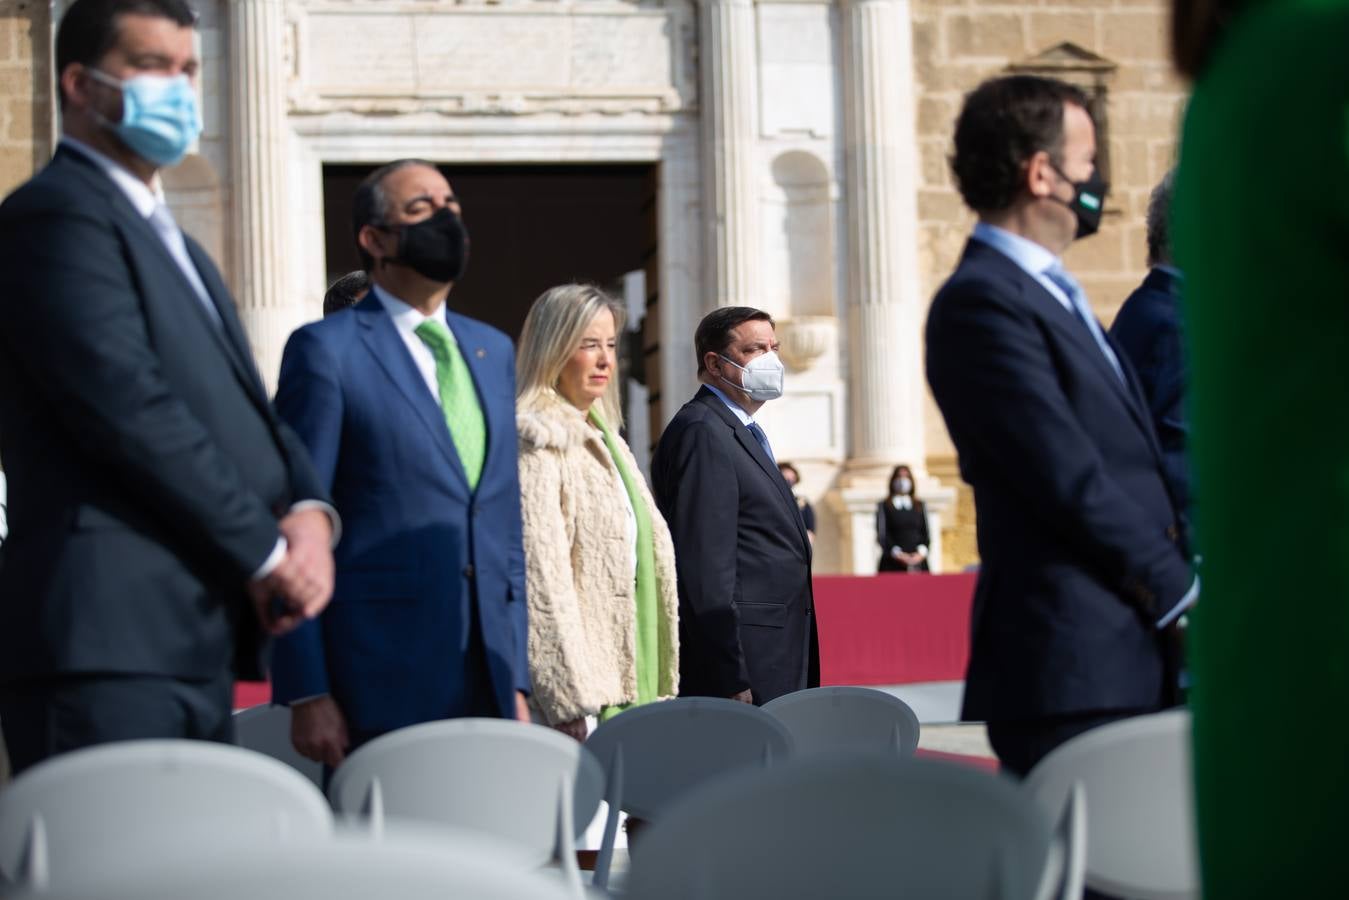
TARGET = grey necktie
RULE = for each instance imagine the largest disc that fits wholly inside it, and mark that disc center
(762, 438)
(172, 236)
(1078, 298)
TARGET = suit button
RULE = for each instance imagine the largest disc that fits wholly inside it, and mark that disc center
(468, 572)
(1173, 532)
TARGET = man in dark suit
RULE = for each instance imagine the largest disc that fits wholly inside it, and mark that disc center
(409, 413)
(746, 610)
(158, 509)
(1148, 331)
(1082, 574)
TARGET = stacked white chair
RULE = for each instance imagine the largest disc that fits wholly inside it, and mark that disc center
(265, 729)
(132, 805)
(655, 754)
(1140, 801)
(829, 719)
(857, 826)
(342, 868)
(532, 786)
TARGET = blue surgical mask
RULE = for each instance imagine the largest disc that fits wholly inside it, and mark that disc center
(160, 115)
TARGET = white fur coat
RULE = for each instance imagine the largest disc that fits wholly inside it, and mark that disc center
(578, 559)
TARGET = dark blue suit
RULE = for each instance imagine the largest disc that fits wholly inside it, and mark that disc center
(427, 619)
(1077, 529)
(1148, 330)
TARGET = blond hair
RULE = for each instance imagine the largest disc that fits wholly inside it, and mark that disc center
(552, 334)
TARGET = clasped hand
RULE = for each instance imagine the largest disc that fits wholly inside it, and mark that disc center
(302, 584)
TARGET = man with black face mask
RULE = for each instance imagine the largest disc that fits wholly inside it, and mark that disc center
(409, 413)
(1083, 570)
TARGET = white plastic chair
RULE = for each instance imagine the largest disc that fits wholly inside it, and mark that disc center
(133, 804)
(655, 754)
(339, 868)
(531, 785)
(851, 825)
(1140, 801)
(265, 729)
(828, 719)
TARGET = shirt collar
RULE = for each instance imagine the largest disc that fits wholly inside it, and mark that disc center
(143, 198)
(1030, 257)
(1170, 270)
(406, 316)
(744, 417)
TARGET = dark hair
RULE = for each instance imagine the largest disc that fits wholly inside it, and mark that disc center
(1004, 122)
(370, 206)
(345, 291)
(714, 331)
(88, 30)
(894, 473)
(1196, 28)
(785, 467)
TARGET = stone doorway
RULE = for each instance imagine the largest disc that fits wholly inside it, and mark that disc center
(532, 227)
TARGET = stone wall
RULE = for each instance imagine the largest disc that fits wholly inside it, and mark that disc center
(957, 44)
(25, 95)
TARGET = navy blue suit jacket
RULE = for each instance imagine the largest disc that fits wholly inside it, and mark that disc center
(419, 551)
(1148, 330)
(1077, 529)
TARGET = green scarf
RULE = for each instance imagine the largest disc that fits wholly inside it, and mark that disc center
(646, 592)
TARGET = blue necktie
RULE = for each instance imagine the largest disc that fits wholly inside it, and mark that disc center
(762, 438)
(1068, 284)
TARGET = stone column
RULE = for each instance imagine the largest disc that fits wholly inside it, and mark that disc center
(884, 304)
(730, 114)
(260, 246)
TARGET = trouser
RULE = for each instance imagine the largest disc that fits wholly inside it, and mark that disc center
(44, 717)
(1020, 745)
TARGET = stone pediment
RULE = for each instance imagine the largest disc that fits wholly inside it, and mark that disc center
(1065, 57)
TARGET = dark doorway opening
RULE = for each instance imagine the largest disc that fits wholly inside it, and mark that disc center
(531, 227)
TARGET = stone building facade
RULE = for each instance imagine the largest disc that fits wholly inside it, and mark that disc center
(797, 151)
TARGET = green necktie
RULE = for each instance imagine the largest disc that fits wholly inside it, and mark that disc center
(458, 399)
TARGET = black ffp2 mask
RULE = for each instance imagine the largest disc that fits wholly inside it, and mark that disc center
(435, 248)
(1088, 201)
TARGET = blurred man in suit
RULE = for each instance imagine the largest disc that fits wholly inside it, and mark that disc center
(158, 509)
(1082, 574)
(746, 610)
(409, 412)
(1148, 331)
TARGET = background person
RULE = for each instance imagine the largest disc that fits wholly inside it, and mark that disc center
(1147, 329)
(1083, 574)
(901, 526)
(746, 608)
(1260, 229)
(346, 291)
(793, 478)
(603, 609)
(409, 412)
(158, 511)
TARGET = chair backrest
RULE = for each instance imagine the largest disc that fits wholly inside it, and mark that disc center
(509, 779)
(829, 719)
(265, 729)
(850, 825)
(135, 803)
(671, 747)
(354, 868)
(1140, 805)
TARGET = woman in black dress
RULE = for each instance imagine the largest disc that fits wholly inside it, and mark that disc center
(901, 526)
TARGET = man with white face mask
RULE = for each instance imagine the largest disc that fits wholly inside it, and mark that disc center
(746, 611)
(160, 516)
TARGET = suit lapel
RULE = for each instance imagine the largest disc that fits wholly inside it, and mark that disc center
(752, 446)
(381, 338)
(235, 341)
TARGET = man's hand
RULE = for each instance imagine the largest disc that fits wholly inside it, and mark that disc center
(319, 731)
(576, 728)
(745, 696)
(302, 584)
(522, 708)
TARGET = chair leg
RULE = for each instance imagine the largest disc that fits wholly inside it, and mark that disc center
(35, 867)
(566, 839)
(614, 799)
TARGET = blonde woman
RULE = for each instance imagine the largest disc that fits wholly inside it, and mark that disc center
(603, 612)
